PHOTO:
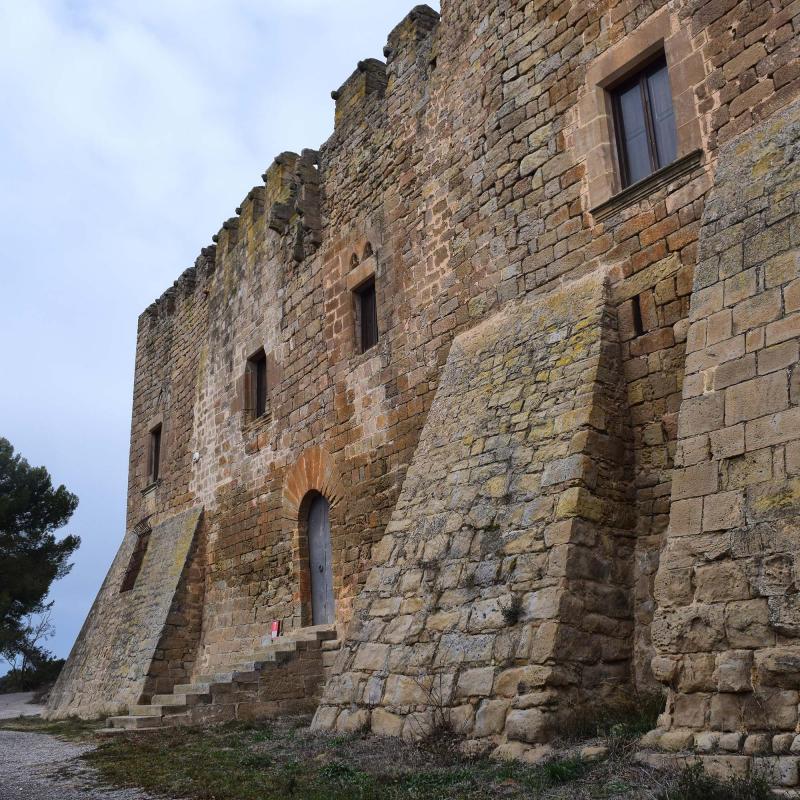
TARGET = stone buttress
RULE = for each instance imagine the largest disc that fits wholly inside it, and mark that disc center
(500, 595)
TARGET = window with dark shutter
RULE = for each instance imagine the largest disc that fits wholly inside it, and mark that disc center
(258, 389)
(154, 454)
(644, 120)
(367, 314)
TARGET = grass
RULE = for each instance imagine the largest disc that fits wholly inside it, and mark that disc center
(283, 760)
(72, 729)
(694, 784)
(628, 718)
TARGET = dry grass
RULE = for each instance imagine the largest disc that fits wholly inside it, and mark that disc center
(73, 729)
(283, 760)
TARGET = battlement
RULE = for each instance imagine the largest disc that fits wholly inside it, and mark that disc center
(406, 36)
(290, 197)
(354, 98)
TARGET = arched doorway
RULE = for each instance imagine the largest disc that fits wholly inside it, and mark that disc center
(320, 558)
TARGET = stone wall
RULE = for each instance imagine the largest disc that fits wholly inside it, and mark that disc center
(501, 593)
(727, 627)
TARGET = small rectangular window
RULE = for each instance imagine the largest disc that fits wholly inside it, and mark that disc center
(367, 315)
(644, 119)
(154, 455)
(257, 374)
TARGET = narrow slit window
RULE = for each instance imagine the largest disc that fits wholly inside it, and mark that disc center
(154, 456)
(135, 564)
(257, 372)
(644, 120)
(638, 326)
(367, 315)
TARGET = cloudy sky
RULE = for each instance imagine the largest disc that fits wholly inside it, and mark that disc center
(128, 132)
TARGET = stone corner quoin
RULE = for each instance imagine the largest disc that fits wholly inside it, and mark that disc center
(491, 436)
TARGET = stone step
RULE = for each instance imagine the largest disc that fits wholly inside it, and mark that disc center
(313, 633)
(109, 732)
(191, 688)
(135, 723)
(217, 677)
(153, 710)
(181, 699)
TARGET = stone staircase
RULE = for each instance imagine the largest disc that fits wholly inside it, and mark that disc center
(284, 676)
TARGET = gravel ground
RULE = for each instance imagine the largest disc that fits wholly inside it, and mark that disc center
(18, 705)
(34, 766)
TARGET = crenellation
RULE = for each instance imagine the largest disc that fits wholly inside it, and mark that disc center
(403, 43)
(362, 91)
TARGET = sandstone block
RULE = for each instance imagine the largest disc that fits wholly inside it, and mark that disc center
(695, 481)
(747, 624)
(353, 721)
(777, 770)
(510, 751)
(756, 398)
(779, 666)
(528, 725)
(690, 710)
(706, 742)
(460, 720)
(726, 767)
(732, 742)
(537, 755)
(665, 668)
(475, 682)
(701, 414)
(727, 713)
(721, 582)
(723, 511)
(676, 740)
(685, 517)
(757, 744)
(490, 718)
(325, 718)
(733, 671)
(386, 724)
(371, 657)
(594, 753)
(404, 690)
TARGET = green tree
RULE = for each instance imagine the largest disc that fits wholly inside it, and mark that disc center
(31, 557)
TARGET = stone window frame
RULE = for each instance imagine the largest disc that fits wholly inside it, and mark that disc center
(361, 273)
(595, 139)
(244, 402)
(150, 482)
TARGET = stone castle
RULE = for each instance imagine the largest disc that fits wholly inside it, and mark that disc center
(491, 406)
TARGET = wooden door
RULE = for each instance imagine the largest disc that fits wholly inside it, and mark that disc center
(321, 562)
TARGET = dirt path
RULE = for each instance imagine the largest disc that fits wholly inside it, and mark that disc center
(34, 766)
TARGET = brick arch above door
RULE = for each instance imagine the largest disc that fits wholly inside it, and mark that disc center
(314, 472)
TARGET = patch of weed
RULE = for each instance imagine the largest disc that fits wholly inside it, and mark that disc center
(512, 611)
(72, 728)
(693, 783)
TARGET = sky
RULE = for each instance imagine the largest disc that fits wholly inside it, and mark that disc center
(129, 131)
